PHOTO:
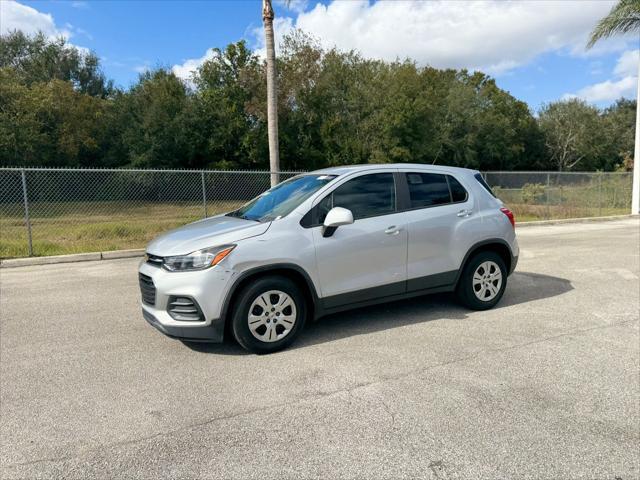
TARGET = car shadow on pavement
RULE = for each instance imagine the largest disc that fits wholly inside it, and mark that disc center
(522, 287)
(525, 287)
(228, 347)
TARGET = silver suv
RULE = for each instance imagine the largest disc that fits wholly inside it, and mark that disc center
(328, 241)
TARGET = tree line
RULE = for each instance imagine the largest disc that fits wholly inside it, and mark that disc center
(58, 109)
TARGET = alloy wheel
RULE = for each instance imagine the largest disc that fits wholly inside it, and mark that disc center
(272, 316)
(487, 280)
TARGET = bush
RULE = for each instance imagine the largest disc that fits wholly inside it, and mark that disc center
(533, 193)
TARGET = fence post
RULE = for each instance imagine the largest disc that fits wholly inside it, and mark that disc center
(26, 211)
(204, 194)
(599, 195)
(547, 195)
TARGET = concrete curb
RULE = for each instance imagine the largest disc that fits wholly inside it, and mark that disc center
(74, 257)
(112, 255)
(560, 221)
(138, 252)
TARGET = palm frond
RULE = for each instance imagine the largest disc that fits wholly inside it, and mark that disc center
(623, 18)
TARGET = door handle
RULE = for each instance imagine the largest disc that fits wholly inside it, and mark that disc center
(392, 230)
(464, 213)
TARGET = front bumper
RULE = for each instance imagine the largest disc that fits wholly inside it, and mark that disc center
(213, 333)
(206, 287)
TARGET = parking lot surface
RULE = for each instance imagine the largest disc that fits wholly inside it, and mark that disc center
(546, 385)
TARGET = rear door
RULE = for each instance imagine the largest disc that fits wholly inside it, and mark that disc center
(367, 259)
(439, 207)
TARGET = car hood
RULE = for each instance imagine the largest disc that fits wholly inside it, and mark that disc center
(210, 232)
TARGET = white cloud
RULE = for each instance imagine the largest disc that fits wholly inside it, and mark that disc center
(112, 63)
(145, 67)
(628, 63)
(15, 16)
(606, 91)
(623, 83)
(489, 35)
(281, 26)
(595, 67)
(186, 69)
(82, 32)
(297, 6)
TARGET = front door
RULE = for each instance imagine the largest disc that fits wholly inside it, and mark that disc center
(366, 259)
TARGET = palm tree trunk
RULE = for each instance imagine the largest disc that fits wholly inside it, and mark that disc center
(635, 189)
(272, 97)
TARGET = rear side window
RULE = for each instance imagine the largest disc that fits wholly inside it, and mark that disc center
(481, 181)
(458, 193)
(428, 189)
(366, 196)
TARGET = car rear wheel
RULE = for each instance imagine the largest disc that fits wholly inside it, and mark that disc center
(268, 314)
(483, 281)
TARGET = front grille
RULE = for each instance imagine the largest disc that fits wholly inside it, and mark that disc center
(154, 260)
(148, 289)
(184, 309)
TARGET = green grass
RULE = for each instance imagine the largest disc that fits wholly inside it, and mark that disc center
(77, 227)
(94, 227)
(531, 213)
(590, 199)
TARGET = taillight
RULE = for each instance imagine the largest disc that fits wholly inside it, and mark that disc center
(509, 215)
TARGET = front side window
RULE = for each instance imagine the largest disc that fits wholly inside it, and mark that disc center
(366, 196)
(282, 199)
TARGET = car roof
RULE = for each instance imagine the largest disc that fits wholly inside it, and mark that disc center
(347, 169)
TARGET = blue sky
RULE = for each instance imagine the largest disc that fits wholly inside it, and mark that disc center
(534, 49)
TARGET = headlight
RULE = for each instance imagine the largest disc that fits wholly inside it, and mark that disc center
(205, 258)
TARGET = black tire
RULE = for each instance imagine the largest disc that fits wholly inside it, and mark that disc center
(240, 314)
(465, 289)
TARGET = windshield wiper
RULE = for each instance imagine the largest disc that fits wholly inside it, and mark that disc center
(243, 217)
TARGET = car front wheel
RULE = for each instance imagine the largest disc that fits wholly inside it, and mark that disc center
(269, 313)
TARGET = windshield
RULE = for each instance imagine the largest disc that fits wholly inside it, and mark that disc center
(282, 199)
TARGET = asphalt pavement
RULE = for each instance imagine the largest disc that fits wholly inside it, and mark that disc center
(546, 385)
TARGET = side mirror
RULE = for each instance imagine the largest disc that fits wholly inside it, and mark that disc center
(336, 217)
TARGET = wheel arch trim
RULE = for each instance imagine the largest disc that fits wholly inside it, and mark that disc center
(479, 246)
(265, 269)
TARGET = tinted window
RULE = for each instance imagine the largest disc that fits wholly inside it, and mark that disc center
(458, 193)
(365, 196)
(427, 189)
(484, 184)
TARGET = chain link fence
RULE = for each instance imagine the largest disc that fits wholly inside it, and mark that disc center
(553, 195)
(58, 211)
